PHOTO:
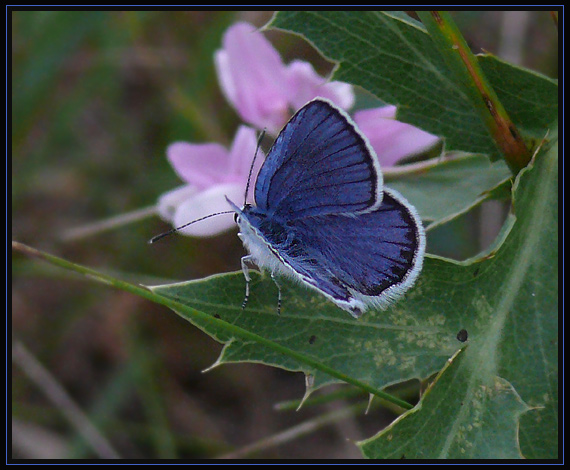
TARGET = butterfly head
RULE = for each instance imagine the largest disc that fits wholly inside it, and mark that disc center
(239, 212)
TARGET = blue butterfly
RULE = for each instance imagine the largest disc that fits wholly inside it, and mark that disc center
(323, 216)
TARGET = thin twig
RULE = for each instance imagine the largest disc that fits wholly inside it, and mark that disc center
(53, 390)
(295, 432)
(107, 224)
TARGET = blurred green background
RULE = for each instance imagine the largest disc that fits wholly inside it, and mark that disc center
(96, 99)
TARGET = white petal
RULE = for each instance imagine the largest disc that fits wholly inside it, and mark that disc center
(206, 203)
(169, 202)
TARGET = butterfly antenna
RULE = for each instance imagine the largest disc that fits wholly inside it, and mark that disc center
(261, 136)
(174, 230)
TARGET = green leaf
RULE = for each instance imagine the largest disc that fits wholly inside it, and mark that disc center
(509, 306)
(380, 349)
(448, 189)
(482, 425)
(392, 56)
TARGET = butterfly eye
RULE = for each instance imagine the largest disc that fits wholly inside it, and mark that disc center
(236, 217)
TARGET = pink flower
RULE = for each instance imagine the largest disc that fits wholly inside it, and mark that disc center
(391, 139)
(210, 172)
(264, 90)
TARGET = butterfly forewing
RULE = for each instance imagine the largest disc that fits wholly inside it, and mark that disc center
(319, 164)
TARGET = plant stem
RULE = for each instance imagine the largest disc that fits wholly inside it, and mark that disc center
(463, 63)
(554, 15)
(111, 223)
(192, 313)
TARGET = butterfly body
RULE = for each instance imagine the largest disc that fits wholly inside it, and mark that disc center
(323, 217)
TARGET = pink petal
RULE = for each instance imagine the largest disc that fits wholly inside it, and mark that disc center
(225, 76)
(392, 140)
(305, 84)
(242, 153)
(242, 150)
(198, 164)
(205, 203)
(252, 76)
(386, 112)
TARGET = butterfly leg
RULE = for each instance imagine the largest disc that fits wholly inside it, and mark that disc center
(245, 270)
(278, 293)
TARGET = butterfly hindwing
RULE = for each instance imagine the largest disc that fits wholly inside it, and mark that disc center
(356, 261)
(319, 164)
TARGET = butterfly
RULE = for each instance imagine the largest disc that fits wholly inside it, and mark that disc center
(323, 216)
